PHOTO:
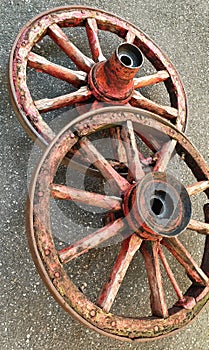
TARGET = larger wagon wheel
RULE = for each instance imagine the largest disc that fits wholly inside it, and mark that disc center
(146, 210)
(52, 24)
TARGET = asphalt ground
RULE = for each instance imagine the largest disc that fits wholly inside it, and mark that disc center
(29, 316)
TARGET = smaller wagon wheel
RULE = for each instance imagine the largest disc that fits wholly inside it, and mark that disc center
(52, 24)
(148, 209)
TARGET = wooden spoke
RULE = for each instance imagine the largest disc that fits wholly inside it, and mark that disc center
(138, 100)
(110, 290)
(164, 155)
(91, 241)
(82, 62)
(118, 145)
(48, 104)
(92, 33)
(41, 64)
(134, 165)
(85, 197)
(130, 37)
(152, 79)
(170, 274)
(198, 187)
(157, 297)
(198, 226)
(183, 256)
(117, 182)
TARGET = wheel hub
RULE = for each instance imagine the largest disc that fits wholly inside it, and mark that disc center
(158, 205)
(112, 80)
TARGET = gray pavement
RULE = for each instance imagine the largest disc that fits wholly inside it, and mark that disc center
(29, 316)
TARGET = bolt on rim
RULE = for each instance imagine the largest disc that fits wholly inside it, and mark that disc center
(161, 138)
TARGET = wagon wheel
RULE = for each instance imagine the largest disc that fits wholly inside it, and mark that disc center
(148, 209)
(52, 24)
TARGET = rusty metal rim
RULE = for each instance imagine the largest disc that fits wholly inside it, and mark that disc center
(24, 119)
(203, 174)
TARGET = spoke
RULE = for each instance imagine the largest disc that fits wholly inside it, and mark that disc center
(41, 64)
(164, 155)
(134, 165)
(152, 79)
(198, 226)
(170, 274)
(138, 100)
(116, 181)
(48, 104)
(198, 187)
(118, 145)
(82, 62)
(92, 33)
(85, 197)
(157, 297)
(130, 37)
(91, 241)
(110, 290)
(185, 259)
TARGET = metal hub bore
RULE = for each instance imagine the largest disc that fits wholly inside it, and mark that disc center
(159, 205)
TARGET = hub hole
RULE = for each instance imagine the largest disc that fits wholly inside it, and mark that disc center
(129, 55)
(126, 60)
(157, 206)
(162, 204)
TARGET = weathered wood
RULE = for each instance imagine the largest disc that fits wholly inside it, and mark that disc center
(85, 197)
(118, 145)
(82, 62)
(197, 187)
(130, 37)
(110, 290)
(116, 182)
(48, 104)
(170, 274)
(91, 241)
(92, 33)
(164, 155)
(151, 79)
(134, 165)
(41, 64)
(198, 226)
(138, 100)
(184, 257)
(157, 297)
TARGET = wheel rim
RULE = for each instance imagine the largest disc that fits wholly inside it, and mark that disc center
(22, 57)
(50, 263)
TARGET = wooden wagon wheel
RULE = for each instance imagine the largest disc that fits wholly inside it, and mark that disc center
(149, 209)
(52, 24)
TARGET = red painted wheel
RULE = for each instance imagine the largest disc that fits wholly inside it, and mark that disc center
(148, 211)
(35, 43)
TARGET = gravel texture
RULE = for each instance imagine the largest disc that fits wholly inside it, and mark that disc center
(29, 317)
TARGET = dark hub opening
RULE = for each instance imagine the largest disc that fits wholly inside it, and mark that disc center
(126, 60)
(162, 204)
(129, 55)
(157, 206)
